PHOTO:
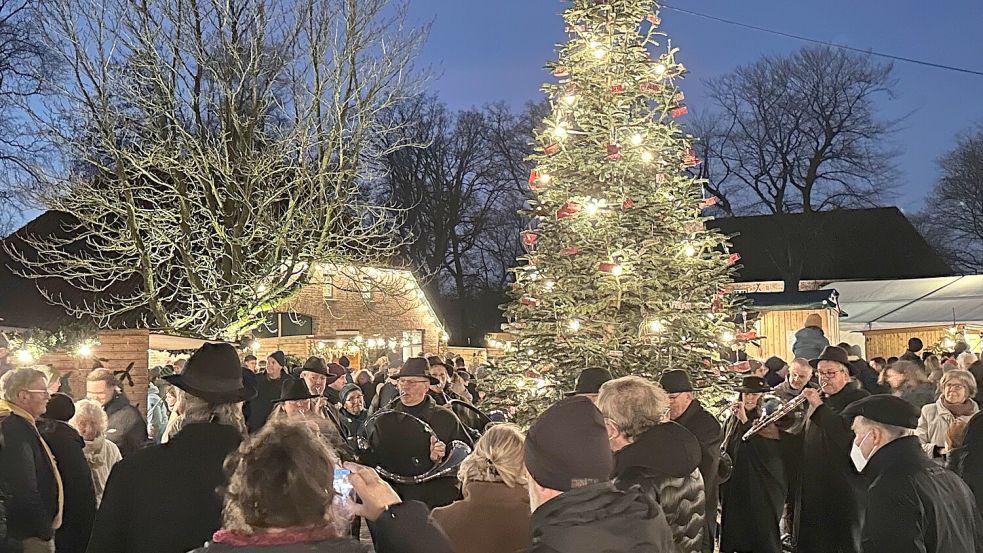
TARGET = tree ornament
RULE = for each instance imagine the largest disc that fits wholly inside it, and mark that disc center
(679, 96)
(529, 300)
(533, 176)
(694, 227)
(653, 19)
(618, 89)
(627, 204)
(679, 112)
(565, 252)
(748, 336)
(611, 268)
(529, 238)
(552, 149)
(660, 178)
(561, 71)
(567, 209)
(614, 152)
(707, 202)
(690, 159)
(649, 88)
(733, 258)
(741, 366)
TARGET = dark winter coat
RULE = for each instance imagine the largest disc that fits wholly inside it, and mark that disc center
(403, 528)
(707, 430)
(267, 390)
(387, 394)
(919, 396)
(249, 381)
(165, 498)
(829, 508)
(27, 477)
(809, 342)
(916, 506)
(867, 377)
(492, 518)
(967, 461)
(126, 428)
(600, 518)
(76, 477)
(664, 461)
(753, 500)
(353, 425)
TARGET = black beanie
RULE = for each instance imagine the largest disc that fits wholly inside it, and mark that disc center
(915, 345)
(60, 408)
(567, 447)
(279, 357)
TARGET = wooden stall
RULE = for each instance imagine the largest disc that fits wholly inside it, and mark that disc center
(779, 315)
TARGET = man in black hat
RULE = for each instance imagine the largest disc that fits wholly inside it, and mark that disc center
(268, 385)
(162, 499)
(913, 504)
(576, 507)
(318, 377)
(685, 410)
(753, 499)
(414, 381)
(830, 501)
(589, 382)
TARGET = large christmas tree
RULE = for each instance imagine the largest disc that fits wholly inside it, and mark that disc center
(620, 272)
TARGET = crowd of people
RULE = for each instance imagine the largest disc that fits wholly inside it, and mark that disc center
(825, 453)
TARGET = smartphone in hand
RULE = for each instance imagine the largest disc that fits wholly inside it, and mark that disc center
(344, 492)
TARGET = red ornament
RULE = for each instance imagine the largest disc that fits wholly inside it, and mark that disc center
(560, 72)
(527, 300)
(627, 204)
(606, 267)
(660, 178)
(679, 112)
(747, 336)
(681, 305)
(567, 209)
(614, 152)
(529, 238)
(694, 226)
(653, 19)
(533, 176)
(741, 367)
(618, 89)
(649, 87)
(552, 149)
(568, 251)
(707, 202)
(733, 258)
(690, 158)
(576, 28)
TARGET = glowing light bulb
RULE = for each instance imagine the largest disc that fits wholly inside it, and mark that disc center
(529, 352)
(600, 52)
(444, 337)
(560, 132)
(569, 99)
(322, 344)
(85, 350)
(689, 250)
(727, 336)
(544, 178)
(656, 326)
(647, 157)
(636, 139)
(261, 288)
(254, 345)
(660, 69)
(591, 207)
(574, 325)
(549, 284)
(24, 356)
(339, 344)
(617, 270)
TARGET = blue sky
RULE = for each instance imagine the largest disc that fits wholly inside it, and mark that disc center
(495, 50)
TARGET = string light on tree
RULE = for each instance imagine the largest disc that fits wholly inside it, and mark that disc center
(647, 157)
(574, 325)
(636, 139)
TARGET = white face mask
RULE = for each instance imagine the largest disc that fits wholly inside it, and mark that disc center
(857, 456)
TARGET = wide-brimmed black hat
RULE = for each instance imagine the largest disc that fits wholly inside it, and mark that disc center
(589, 381)
(434, 360)
(676, 381)
(753, 385)
(214, 374)
(832, 353)
(317, 365)
(293, 390)
(416, 366)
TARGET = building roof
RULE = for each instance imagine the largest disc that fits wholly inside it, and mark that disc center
(793, 301)
(886, 304)
(845, 244)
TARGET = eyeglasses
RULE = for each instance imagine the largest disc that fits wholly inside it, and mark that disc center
(403, 381)
(954, 385)
(45, 392)
(830, 374)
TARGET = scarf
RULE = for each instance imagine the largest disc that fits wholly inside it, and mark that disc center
(284, 537)
(9, 408)
(963, 409)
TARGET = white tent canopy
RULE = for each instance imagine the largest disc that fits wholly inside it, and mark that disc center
(886, 304)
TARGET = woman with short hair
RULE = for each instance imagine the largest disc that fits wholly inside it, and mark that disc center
(957, 390)
(91, 421)
(494, 515)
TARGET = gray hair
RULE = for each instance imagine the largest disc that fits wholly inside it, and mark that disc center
(892, 432)
(18, 380)
(966, 377)
(633, 404)
(89, 410)
(192, 409)
(966, 359)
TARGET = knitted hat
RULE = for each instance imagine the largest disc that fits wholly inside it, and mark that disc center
(814, 320)
(567, 447)
(349, 388)
(60, 408)
(280, 358)
(915, 345)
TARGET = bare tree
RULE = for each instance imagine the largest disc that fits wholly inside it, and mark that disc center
(799, 133)
(24, 62)
(953, 217)
(217, 151)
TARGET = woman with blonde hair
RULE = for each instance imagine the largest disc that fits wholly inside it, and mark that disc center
(91, 421)
(955, 404)
(494, 515)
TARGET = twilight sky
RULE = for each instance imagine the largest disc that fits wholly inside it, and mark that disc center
(492, 50)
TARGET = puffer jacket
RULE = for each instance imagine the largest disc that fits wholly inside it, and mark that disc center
(665, 461)
(933, 425)
(809, 342)
(599, 518)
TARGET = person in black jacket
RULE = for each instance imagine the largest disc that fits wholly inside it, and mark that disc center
(685, 410)
(80, 496)
(660, 456)
(127, 429)
(576, 508)
(352, 413)
(829, 508)
(163, 499)
(913, 504)
(268, 385)
(28, 477)
(753, 499)
(967, 459)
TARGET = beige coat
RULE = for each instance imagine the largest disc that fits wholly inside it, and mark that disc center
(492, 518)
(101, 454)
(934, 422)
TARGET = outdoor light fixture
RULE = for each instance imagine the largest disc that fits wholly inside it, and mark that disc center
(25, 356)
(254, 345)
(85, 350)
